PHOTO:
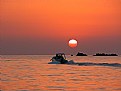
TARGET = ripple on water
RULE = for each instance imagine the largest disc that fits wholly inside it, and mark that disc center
(55, 88)
(22, 90)
(71, 73)
(53, 75)
(59, 80)
(76, 80)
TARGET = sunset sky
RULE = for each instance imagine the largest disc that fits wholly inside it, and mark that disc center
(46, 26)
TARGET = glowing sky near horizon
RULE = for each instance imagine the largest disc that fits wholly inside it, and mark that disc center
(46, 26)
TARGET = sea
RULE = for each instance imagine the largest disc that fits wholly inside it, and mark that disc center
(33, 73)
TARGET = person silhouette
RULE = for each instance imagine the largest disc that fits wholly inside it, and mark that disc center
(61, 59)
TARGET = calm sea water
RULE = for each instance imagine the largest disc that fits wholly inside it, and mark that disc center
(33, 73)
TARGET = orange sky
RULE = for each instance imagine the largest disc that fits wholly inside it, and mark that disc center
(60, 20)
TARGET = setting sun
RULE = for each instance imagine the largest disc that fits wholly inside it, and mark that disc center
(72, 43)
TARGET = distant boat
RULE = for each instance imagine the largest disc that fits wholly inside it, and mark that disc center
(81, 54)
(103, 54)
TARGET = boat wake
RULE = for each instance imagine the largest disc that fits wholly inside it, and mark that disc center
(98, 64)
(71, 62)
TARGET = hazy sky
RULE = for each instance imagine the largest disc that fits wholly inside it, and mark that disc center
(45, 26)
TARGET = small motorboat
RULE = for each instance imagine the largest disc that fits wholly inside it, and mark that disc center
(60, 58)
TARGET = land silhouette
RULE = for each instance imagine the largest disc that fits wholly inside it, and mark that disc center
(103, 54)
(81, 54)
(97, 54)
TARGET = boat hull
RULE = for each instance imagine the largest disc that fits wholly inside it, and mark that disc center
(57, 62)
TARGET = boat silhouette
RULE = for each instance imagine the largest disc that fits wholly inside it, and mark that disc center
(60, 58)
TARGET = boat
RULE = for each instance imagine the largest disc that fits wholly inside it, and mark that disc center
(60, 58)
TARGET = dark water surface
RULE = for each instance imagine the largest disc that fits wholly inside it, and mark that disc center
(33, 73)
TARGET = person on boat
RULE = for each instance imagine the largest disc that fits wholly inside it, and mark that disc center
(60, 58)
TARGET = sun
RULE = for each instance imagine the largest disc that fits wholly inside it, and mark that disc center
(72, 43)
